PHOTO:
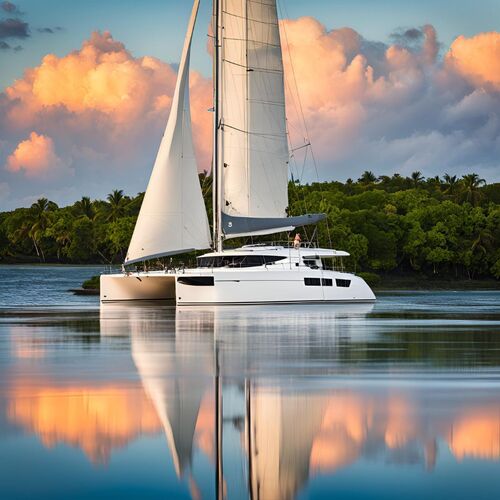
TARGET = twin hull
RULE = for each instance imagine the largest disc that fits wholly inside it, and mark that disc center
(203, 286)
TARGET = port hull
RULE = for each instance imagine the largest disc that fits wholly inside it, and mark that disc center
(137, 286)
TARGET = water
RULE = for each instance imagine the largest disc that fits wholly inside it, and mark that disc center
(397, 399)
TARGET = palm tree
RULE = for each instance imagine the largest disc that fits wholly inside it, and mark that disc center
(367, 177)
(417, 178)
(39, 221)
(116, 202)
(484, 242)
(451, 184)
(471, 188)
(85, 208)
(349, 186)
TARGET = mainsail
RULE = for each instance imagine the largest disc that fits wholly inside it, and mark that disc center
(173, 217)
(253, 164)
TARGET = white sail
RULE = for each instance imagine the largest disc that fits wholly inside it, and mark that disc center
(167, 377)
(279, 456)
(173, 217)
(254, 141)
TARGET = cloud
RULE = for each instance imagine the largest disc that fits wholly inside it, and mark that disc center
(477, 59)
(9, 7)
(105, 109)
(49, 31)
(407, 36)
(389, 108)
(13, 28)
(5, 46)
(35, 157)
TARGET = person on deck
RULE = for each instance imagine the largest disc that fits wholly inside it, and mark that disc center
(297, 241)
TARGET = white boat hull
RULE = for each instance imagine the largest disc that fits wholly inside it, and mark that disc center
(154, 285)
(249, 275)
(269, 287)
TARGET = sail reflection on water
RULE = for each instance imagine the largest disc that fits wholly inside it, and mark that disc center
(294, 430)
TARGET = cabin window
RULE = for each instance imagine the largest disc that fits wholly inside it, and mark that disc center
(326, 282)
(312, 281)
(196, 280)
(311, 263)
(343, 283)
(238, 260)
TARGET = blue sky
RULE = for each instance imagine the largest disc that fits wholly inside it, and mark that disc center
(156, 27)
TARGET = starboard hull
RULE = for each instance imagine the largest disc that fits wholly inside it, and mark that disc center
(268, 287)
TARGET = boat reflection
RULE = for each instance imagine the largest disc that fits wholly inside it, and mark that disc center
(253, 399)
(294, 430)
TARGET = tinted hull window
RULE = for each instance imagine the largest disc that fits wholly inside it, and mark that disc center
(343, 283)
(312, 281)
(196, 280)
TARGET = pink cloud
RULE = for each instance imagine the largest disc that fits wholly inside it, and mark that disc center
(477, 59)
(103, 97)
(35, 157)
(367, 105)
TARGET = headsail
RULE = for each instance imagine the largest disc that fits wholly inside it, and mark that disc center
(173, 217)
(253, 137)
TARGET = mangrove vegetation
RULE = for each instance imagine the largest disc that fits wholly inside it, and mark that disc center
(447, 226)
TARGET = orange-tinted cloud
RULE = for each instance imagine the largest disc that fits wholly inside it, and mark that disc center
(102, 102)
(95, 419)
(35, 157)
(389, 108)
(476, 434)
(477, 59)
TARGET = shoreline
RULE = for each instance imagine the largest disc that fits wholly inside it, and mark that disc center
(386, 283)
(421, 284)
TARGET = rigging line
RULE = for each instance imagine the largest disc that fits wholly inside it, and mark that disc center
(299, 195)
(302, 114)
(232, 14)
(268, 103)
(260, 2)
(258, 134)
(247, 155)
(300, 147)
(293, 73)
(259, 70)
(267, 44)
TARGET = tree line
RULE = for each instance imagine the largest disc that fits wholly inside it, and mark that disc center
(446, 226)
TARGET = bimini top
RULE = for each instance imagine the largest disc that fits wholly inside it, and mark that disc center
(304, 252)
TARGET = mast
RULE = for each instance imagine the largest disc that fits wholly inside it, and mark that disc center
(217, 149)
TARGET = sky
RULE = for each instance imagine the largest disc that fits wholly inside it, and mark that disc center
(389, 86)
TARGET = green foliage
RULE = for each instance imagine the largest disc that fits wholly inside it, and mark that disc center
(444, 228)
(93, 283)
(371, 278)
(81, 249)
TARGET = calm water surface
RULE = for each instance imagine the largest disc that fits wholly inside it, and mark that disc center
(400, 399)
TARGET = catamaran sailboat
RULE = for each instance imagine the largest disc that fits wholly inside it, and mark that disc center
(250, 185)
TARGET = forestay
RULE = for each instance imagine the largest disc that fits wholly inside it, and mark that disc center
(173, 217)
